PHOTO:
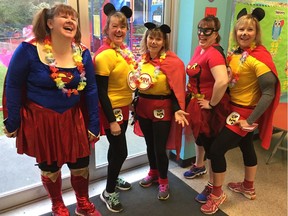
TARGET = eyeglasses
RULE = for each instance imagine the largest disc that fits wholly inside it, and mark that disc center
(206, 31)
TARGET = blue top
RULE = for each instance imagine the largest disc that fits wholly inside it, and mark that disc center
(27, 71)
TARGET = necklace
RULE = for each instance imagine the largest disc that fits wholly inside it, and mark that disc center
(55, 75)
(143, 81)
(235, 73)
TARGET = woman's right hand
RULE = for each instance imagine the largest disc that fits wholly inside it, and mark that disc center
(180, 117)
(10, 135)
(115, 128)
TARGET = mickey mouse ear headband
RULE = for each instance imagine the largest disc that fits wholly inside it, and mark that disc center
(164, 28)
(109, 9)
(258, 13)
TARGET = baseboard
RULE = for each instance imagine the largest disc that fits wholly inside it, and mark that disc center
(182, 163)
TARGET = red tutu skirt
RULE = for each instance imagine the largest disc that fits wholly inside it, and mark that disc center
(50, 136)
(207, 121)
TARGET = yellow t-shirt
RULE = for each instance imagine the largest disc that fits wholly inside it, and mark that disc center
(112, 64)
(160, 84)
(246, 91)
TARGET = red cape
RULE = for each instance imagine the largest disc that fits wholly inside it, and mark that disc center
(265, 121)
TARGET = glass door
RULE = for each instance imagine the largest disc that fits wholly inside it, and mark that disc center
(143, 11)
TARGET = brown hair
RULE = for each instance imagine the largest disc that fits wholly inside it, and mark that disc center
(248, 20)
(211, 22)
(155, 32)
(40, 28)
(122, 18)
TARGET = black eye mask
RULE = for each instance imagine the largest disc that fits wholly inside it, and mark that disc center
(206, 31)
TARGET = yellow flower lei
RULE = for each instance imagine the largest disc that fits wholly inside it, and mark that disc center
(54, 70)
(143, 60)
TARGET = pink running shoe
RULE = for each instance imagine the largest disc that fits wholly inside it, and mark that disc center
(213, 203)
(239, 188)
(148, 181)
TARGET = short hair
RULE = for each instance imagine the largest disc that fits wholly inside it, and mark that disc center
(122, 18)
(156, 32)
(248, 20)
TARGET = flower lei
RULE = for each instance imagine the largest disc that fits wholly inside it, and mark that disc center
(144, 59)
(125, 53)
(54, 70)
(235, 74)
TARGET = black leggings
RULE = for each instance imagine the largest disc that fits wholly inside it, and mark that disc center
(156, 136)
(117, 154)
(206, 142)
(80, 163)
(227, 140)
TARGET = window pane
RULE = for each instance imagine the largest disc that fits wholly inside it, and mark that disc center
(18, 171)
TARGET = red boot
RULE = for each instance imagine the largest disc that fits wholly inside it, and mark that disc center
(80, 186)
(54, 190)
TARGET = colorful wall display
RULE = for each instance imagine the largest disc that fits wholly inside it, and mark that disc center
(274, 34)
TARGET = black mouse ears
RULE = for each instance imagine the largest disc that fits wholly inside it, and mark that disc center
(109, 9)
(258, 13)
(164, 28)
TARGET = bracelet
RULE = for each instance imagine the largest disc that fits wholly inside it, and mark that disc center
(91, 134)
(212, 107)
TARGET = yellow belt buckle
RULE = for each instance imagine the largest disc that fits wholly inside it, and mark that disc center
(198, 96)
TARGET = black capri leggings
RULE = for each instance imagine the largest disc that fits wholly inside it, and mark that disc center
(80, 163)
(227, 140)
(117, 154)
(156, 136)
(206, 142)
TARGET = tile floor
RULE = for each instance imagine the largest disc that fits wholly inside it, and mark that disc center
(271, 186)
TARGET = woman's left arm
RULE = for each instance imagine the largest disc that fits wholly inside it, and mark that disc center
(267, 83)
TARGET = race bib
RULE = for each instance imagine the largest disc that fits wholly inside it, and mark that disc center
(132, 80)
(145, 81)
(232, 118)
(159, 113)
(118, 115)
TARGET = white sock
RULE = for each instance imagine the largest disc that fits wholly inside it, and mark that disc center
(106, 193)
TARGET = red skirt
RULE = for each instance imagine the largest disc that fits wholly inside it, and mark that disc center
(207, 121)
(244, 114)
(147, 108)
(50, 136)
(104, 124)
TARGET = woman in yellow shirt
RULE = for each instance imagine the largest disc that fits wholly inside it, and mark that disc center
(113, 61)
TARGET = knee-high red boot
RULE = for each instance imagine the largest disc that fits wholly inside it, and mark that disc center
(80, 182)
(52, 182)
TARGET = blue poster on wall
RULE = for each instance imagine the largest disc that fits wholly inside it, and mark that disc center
(156, 13)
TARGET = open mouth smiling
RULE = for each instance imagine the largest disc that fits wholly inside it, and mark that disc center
(69, 28)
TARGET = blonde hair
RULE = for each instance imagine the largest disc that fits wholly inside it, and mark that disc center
(155, 32)
(248, 20)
